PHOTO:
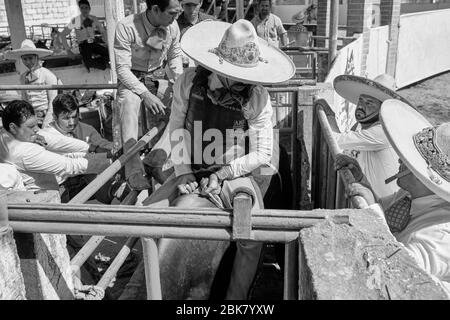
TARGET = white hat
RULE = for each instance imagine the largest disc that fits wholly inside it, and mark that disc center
(351, 87)
(423, 148)
(236, 52)
(27, 47)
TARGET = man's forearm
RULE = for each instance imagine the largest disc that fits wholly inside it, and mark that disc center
(129, 80)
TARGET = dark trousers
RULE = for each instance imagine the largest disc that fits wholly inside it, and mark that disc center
(88, 49)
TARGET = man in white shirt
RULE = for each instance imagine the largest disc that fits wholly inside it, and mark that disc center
(219, 101)
(420, 217)
(42, 168)
(85, 26)
(373, 151)
(269, 26)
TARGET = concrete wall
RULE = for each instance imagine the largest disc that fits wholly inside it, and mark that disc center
(423, 41)
(378, 49)
(36, 12)
(348, 61)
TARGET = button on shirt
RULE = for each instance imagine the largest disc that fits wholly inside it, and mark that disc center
(376, 157)
(270, 29)
(132, 52)
(39, 99)
(258, 112)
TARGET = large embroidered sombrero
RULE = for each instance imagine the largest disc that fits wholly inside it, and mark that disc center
(424, 149)
(235, 51)
(351, 87)
(27, 47)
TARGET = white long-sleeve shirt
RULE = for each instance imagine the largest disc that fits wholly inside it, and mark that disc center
(376, 157)
(61, 144)
(10, 178)
(43, 169)
(427, 235)
(258, 112)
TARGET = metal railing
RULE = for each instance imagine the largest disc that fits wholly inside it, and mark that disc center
(327, 190)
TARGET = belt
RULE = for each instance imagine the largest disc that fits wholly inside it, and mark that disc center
(153, 75)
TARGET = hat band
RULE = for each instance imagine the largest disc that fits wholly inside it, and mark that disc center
(425, 142)
(247, 56)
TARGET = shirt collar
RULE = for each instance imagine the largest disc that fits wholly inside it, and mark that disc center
(214, 82)
(424, 204)
(259, 20)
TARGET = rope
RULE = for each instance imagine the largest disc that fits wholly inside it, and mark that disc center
(89, 292)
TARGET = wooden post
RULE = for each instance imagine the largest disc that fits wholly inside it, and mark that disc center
(334, 16)
(4, 226)
(242, 216)
(290, 286)
(135, 7)
(16, 22)
(151, 263)
(239, 9)
(114, 12)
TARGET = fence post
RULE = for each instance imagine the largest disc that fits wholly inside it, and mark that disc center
(151, 263)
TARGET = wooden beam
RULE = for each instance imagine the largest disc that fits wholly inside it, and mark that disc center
(114, 12)
(16, 22)
(152, 274)
(334, 16)
(239, 9)
(4, 226)
(242, 216)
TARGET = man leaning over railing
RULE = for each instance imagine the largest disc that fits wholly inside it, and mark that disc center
(418, 214)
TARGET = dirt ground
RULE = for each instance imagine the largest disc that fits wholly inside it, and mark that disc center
(431, 97)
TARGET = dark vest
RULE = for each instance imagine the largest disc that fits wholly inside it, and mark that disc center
(211, 116)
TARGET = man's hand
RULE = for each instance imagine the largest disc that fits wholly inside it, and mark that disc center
(352, 164)
(187, 184)
(210, 185)
(357, 189)
(153, 103)
(40, 140)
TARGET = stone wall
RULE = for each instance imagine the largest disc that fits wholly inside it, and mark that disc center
(36, 12)
(360, 261)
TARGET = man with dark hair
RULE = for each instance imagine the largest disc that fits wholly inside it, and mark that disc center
(42, 168)
(191, 15)
(269, 26)
(66, 121)
(85, 26)
(148, 54)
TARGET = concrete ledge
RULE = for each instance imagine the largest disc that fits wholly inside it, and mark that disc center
(360, 261)
(11, 281)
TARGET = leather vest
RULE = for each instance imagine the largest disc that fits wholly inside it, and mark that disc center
(202, 111)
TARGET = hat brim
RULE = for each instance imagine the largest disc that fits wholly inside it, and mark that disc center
(401, 139)
(16, 54)
(199, 40)
(351, 87)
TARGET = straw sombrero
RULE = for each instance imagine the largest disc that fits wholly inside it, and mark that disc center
(351, 87)
(424, 149)
(235, 51)
(27, 47)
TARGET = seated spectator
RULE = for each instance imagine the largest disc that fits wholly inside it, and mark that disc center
(10, 179)
(418, 214)
(374, 153)
(40, 167)
(57, 42)
(66, 122)
(95, 55)
(269, 26)
(41, 100)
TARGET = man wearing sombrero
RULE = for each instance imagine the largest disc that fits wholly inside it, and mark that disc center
(422, 221)
(41, 100)
(374, 153)
(222, 97)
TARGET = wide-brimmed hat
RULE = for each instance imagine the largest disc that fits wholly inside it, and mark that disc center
(9, 95)
(27, 47)
(423, 148)
(235, 51)
(351, 87)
